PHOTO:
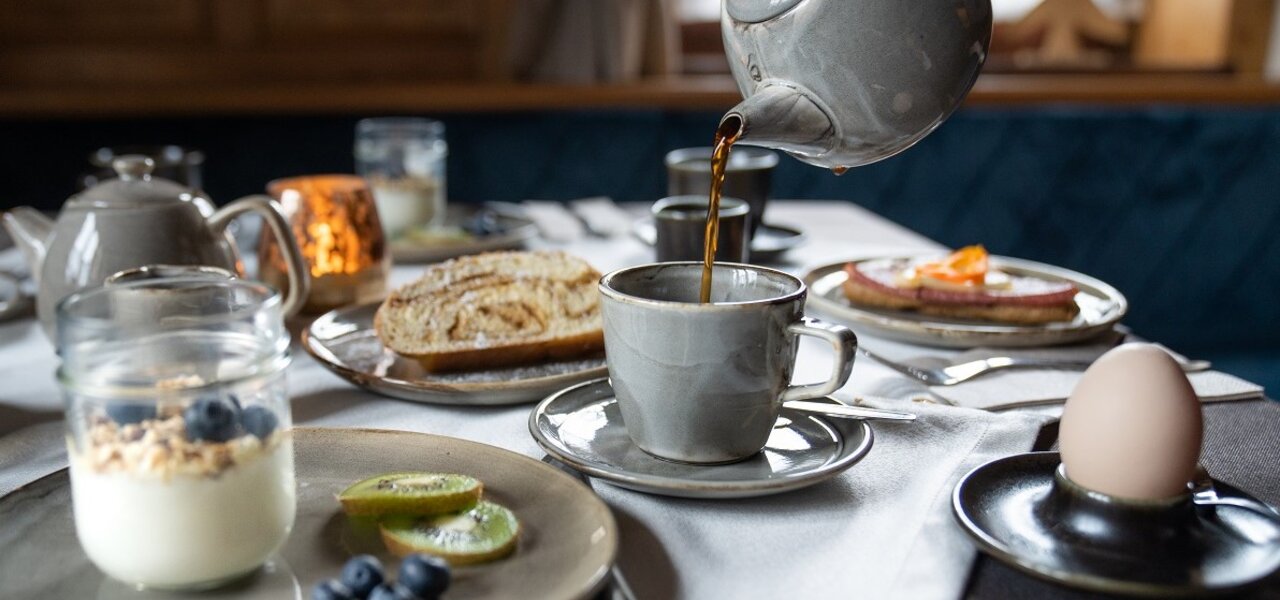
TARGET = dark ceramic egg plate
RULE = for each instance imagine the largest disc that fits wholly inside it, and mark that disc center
(1015, 512)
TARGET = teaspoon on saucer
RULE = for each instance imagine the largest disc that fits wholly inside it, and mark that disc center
(848, 412)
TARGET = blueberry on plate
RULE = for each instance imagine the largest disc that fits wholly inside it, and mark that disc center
(424, 575)
(362, 573)
(483, 223)
(212, 420)
(331, 590)
(260, 421)
(125, 413)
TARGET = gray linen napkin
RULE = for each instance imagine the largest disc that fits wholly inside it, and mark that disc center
(31, 429)
(30, 454)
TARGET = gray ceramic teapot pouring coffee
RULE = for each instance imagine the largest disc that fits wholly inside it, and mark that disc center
(843, 83)
(139, 220)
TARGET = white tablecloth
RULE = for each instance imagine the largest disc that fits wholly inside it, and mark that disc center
(882, 529)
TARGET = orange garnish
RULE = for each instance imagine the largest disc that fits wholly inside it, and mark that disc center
(967, 266)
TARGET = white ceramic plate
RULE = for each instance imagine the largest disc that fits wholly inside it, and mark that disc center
(345, 342)
(1101, 307)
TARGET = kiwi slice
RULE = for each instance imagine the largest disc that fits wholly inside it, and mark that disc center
(484, 533)
(411, 494)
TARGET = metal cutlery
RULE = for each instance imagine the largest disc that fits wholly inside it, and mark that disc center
(848, 412)
(618, 588)
(1204, 494)
(961, 372)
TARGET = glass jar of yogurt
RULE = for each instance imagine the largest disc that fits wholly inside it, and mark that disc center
(178, 428)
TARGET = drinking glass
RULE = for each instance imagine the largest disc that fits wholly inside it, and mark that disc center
(178, 427)
(404, 160)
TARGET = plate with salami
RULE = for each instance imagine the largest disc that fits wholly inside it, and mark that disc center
(965, 300)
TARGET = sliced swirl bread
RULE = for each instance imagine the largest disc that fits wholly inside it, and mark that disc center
(495, 309)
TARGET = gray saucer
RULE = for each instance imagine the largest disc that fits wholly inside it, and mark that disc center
(581, 426)
(1014, 513)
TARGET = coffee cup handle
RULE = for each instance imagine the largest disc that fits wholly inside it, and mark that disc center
(298, 275)
(845, 344)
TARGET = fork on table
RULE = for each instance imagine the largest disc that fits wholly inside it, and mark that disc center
(961, 372)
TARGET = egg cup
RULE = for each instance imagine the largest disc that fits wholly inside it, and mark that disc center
(1146, 527)
(1024, 511)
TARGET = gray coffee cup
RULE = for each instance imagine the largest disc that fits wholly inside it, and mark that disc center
(703, 383)
(749, 176)
(680, 229)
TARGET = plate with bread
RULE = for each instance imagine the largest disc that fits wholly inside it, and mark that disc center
(487, 329)
(965, 299)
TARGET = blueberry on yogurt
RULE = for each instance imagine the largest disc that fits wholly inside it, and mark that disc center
(212, 420)
(259, 421)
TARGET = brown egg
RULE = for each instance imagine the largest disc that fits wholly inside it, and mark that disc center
(1132, 426)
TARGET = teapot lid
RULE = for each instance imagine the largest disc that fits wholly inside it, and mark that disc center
(133, 188)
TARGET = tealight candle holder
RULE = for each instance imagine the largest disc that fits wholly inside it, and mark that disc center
(336, 224)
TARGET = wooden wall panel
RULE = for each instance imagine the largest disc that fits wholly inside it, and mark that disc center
(72, 44)
(372, 18)
(116, 21)
(116, 67)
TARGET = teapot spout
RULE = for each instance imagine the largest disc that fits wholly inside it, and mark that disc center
(784, 117)
(31, 232)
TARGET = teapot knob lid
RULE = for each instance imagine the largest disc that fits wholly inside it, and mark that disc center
(133, 166)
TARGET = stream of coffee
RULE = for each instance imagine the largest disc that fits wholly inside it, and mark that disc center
(726, 135)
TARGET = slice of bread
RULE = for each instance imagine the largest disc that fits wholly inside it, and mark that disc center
(495, 309)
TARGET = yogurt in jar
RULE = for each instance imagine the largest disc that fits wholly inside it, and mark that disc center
(155, 509)
(407, 203)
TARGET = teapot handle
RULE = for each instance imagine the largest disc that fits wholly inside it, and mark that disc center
(273, 216)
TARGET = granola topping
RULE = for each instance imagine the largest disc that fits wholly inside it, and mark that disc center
(159, 448)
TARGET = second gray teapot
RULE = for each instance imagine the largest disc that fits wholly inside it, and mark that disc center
(139, 220)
